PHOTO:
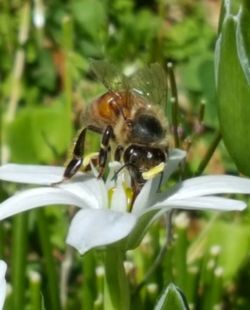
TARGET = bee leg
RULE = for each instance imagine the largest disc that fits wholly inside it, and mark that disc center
(78, 152)
(104, 149)
(118, 152)
(136, 188)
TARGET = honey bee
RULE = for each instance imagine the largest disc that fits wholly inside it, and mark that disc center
(131, 116)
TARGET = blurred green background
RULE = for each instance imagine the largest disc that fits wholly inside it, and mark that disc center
(45, 84)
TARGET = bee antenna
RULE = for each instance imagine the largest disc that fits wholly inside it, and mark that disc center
(120, 169)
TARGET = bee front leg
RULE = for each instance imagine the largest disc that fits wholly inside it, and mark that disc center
(78, 153)
(104, 149)
(76, 162)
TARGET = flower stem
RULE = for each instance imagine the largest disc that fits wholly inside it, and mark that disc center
(19, 251)
(19, 62)
(67, 47)
(175, 103)
(35, 290)
(51, 274)
(66, 267)
(160, 256)
(89, 289)
(116, 287)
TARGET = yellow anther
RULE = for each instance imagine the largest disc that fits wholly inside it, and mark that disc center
(89, 157)
(151, 173)
(128, 192)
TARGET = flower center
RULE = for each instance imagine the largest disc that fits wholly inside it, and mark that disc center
(127, 191)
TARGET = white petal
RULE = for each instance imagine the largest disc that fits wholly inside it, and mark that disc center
(114, 178)
(3, 285)
(90, 190)
(199, 203)
(202, 203)
(114, 166)
(176, 156)
(141, 227)
(208, 185)
(31, 174)
(35, 198)
(147, 194)
(119, 199)
(91, 228)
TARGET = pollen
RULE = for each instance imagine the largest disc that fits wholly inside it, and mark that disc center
(151, 173)
(89, 157)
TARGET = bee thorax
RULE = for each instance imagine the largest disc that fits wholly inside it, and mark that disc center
(147, 129)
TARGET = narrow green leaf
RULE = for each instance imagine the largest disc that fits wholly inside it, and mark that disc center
(172, 298)
(233, 97)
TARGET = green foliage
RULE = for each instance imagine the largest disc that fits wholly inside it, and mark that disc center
(232, 66)
(45, 84)
(35, 129)
(243, 39)
(172, 298)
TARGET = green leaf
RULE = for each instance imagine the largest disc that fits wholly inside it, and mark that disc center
(231, 237)
(39, 134)
(233, 97)
(198, 78)
(243, 39)
(85, 14)
(172, 298)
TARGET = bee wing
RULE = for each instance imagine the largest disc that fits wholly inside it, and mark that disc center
(151, 83)
(108, 74)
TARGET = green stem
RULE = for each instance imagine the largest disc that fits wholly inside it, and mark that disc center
(35, 291)
(50, 266)
(175, 103)
(19, 252)
(116, 287)
(209, 153)
(67, 46)
(160, 257)
(66, 267)
(89, 285)
(19, 62)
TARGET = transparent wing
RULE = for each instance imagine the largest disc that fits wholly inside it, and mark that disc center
(108, 74)
(151, 83)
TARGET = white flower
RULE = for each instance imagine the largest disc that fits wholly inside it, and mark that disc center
(102, 221)
(3, 284)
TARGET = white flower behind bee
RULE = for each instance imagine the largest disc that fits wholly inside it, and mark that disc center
(104, 219)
